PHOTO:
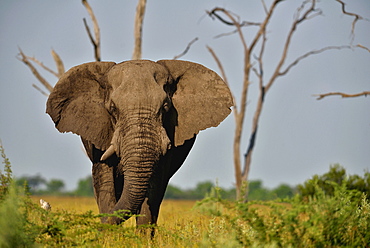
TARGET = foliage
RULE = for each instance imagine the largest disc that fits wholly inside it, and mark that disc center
(13, 224)
(5, 179)
(36, 183)
(340, 220)
(85, 187)
(40, 186)
(337, 174)
(256, 191)
(15, 230)
(55, 185)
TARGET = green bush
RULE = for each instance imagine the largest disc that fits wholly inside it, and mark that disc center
(340, 220)
(5, 179)
(337, 175)
(14, 230)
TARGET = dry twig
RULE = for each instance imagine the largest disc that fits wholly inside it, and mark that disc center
(343, 95)
(95, 41)
(223, 75)
(313, 52)
(138, 31)
(40, 90)
(186, 49)
(42, 80)
(356, 17)
(40, 64)
(363, 47)
(58, 62)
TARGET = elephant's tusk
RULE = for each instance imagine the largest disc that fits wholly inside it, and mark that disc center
(109, 152)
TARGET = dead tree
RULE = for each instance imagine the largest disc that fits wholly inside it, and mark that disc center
(30, 62)
(254, 57)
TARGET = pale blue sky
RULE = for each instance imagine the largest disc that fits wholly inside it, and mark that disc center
(298, 135)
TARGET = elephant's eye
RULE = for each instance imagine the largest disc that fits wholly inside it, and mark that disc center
(166, 106)
(112, 108)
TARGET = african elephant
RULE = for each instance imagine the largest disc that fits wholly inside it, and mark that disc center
(138, 121)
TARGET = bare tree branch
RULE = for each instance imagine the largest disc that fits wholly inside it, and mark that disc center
(264, 7)
(139, 19)
(225, 34)
(213, 13)
(313, 52)
(95, 41)
(218, 62)
(257, 113)
(363, 47)
(40, 90)
(40, 64)
(264, 24)
(308, 14)
(239, 113)
(186, 49)
(356, 16)
(223, 75)
(58, 62)
(305, 12)
(42, 80)
(343, 95)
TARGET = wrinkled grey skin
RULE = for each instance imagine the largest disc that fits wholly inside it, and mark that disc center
(138, 121)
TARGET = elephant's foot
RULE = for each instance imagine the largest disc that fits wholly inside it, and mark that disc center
(146, 231)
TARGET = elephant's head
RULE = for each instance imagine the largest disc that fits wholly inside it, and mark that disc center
(138, 110)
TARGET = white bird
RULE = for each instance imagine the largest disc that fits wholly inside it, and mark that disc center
(45, 205)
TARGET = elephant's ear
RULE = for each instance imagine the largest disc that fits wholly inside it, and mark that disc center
(76, 103)
(202, 99)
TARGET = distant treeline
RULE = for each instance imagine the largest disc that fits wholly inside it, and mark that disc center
(38, 185)
(256, 191)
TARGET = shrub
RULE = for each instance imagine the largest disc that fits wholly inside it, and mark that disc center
(337, 174)
(342, 219)
(5, 179)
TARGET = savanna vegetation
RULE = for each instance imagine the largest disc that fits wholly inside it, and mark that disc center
(324, 213)
(39, 185)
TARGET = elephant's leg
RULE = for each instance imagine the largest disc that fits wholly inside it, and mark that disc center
(150, 207)
(103, 182)
(103, 179)
(147, 214)
(167, 167)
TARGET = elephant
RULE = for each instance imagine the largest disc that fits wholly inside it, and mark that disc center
(138, 121)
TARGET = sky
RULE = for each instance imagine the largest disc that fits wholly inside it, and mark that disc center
(298, 136)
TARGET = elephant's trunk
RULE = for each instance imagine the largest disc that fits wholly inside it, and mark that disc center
(139, 143)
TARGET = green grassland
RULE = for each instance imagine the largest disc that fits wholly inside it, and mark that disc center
(341, 220)
(326, 214)
(73, 220)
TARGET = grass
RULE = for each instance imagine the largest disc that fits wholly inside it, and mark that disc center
(338, 220)
(170, 209)
(178, 224)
